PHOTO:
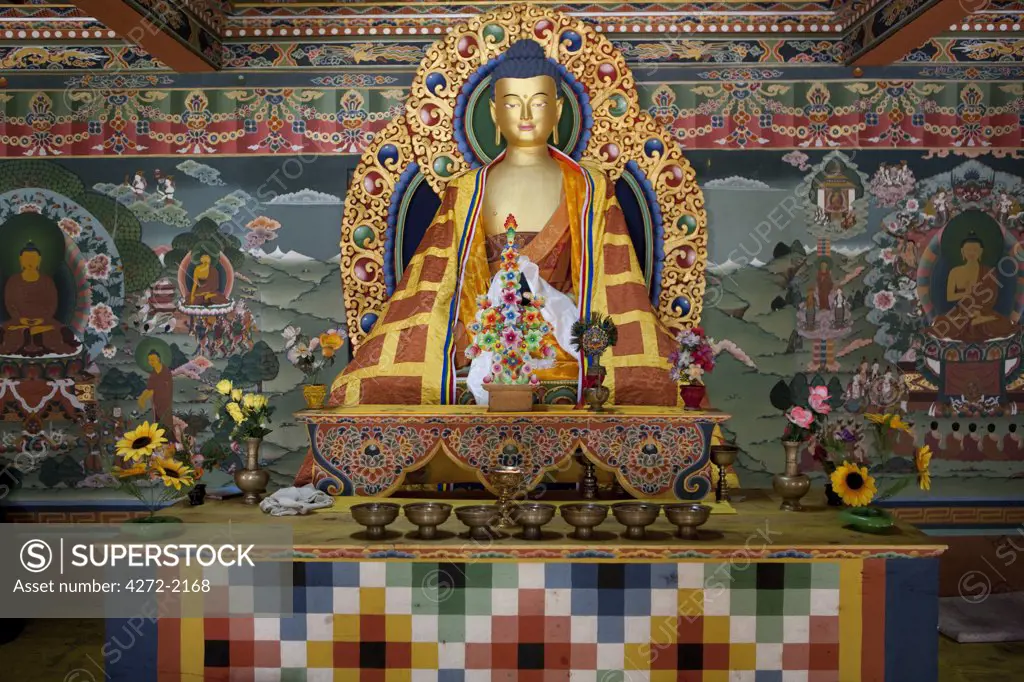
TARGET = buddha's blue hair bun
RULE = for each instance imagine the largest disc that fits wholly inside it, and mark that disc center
(525, 59)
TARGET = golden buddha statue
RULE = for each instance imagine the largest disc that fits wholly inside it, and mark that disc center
(31, 299)
(575, 251)
(973, 289)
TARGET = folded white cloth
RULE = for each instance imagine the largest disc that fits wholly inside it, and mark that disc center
(293, 501)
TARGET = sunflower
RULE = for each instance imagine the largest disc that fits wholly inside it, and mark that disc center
(889, 421)
(922, 460)
(897, 424)
(853, 484)
(134, 470)
(173, 473)
(142, 442)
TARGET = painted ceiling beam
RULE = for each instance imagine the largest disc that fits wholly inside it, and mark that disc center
(885, 34)
(174, 37)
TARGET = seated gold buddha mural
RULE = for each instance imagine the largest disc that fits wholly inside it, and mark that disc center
(205, 282)
(32, 324)
(973, 290)
(205, 289)
(576, 250)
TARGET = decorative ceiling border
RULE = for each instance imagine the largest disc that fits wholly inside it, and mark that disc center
(305, 35)
(644, 54)
(136, 115)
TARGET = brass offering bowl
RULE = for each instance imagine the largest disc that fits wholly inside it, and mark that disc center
(480, 519)
(636, 516)
(584, 518)
(723, 455)
(687, 517)
(531, 516)
(427, 516)
(375, 516)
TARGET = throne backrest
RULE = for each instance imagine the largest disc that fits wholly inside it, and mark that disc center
(396, 188)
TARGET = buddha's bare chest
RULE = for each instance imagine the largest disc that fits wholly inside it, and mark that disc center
(532, 196)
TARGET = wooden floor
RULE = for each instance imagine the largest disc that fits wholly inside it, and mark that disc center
(68, 650)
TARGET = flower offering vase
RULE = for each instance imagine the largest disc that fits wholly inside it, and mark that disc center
(252, 480)
(791, 485)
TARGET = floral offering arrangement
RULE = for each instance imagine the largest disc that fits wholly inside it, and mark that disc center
(514, 331)
(150, 469)
(303, 350)
(806, 421)
(693, 357)
(248, 414)
(853, 480)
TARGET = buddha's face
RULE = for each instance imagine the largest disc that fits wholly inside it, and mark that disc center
(823, 266)
(971, 251)
(29, 261)
(154, 362)
(204, 260)
(526, 110)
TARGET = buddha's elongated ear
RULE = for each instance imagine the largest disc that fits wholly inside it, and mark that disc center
(559, 101)
(494, 120)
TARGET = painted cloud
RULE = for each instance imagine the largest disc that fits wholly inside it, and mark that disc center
(736, 182)
(306, 197)
(208, 175)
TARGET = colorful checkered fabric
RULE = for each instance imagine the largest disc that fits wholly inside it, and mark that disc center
(542, 622)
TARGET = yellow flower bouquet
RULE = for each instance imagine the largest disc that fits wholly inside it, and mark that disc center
(151, 469)
(245, 415)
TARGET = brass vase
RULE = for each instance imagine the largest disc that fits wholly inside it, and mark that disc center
(596, 397)
(791, 485)
(252, 480)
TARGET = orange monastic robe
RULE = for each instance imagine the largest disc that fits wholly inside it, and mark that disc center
(410, 356)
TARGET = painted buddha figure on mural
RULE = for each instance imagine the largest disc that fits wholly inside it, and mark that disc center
(31, 302)
(975, 288)
(206, 289)
(575, 250)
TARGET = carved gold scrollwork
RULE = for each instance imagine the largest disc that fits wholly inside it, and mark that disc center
(364, 225)
(684, 221)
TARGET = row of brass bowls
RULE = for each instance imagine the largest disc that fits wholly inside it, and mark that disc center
(531, 516)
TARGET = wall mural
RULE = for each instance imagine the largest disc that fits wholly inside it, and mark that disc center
(133, 285)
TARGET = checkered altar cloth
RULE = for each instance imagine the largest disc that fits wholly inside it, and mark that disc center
(845, 620)
(654, 451)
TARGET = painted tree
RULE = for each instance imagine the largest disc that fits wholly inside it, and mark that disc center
(118, 385)
(206, 237)
(258, 365)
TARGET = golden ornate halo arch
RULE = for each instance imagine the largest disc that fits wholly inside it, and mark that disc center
(616, 135)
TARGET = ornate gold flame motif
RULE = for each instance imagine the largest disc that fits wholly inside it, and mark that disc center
(619, 133)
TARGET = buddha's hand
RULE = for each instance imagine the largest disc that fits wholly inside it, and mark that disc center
(31, 321)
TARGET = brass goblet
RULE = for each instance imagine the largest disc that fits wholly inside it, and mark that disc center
(507, 481)
(723, 456)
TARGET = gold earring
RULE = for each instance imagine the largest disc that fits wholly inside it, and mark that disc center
(554, 135)
(497, 135)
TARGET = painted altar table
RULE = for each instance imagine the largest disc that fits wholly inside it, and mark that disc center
(761, 594)
(653, 451)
